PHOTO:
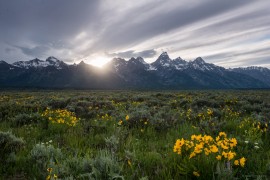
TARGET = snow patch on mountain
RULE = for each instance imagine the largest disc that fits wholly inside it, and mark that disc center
(37, 63)
(151, 68)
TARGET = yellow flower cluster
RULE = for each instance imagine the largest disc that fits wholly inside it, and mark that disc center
(221, 147)
(231, 101)
(229, 113)
(105, 117)
(188, 113)
(210, 112)
(135, 103)
(50, 176)
(205, 115)
(121, 121)
(4, 98)
(195, 173)
(240, 162)
(60, 116)
(253, 125)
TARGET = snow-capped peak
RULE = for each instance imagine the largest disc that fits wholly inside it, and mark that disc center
(37, 63)
(164, 53)
(32, 63)
(164, 56)
(199, 60)
(116, 64)
(180, 63)
(52, 59)
(138, 60)
(200, 64)
(163, 61)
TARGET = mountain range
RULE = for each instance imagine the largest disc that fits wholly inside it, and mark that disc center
(135, 73)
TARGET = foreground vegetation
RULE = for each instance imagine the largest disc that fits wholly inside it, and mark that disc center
(135, 135)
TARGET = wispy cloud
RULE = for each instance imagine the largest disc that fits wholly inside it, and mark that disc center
(229, 33)
(131, 53)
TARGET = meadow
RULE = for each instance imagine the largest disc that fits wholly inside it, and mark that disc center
(134, 135)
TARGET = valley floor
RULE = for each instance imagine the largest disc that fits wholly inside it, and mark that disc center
(134, 134)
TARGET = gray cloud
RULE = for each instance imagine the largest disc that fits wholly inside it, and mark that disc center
(224, 32)
(131, 53)
(34, 52)
(9, 50)
(125, 32)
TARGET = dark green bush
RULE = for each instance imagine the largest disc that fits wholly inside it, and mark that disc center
(25, 119)
(9, 144)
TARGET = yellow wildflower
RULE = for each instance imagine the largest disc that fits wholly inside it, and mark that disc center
(120, 122)
(193, 154)
(193, 137)
(242, 161)
(178, 144)
(223, 146)
(49, 170)
(236, 162)
(225, 154)
(214, 148)
(127, 117)
(198, 148)
(208, 139)
(129, 162)
(218, 157)
(231, 155)
(189, 144)
(222, 134)
(209, 112)
(207, 151)
(233, 142)
(199, 137)
(195, 173)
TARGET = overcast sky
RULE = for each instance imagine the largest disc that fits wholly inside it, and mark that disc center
(229, 33)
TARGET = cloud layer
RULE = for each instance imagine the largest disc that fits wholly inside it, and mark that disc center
(228, 33)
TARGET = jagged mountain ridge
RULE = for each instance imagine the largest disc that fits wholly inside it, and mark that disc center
(259, 73)
(164, 73)
(37, 63)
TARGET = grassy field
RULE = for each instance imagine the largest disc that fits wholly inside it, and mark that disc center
(135, 135)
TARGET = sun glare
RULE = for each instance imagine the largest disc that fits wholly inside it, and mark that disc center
(99, 61)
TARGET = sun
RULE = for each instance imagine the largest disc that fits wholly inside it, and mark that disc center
(99, 61)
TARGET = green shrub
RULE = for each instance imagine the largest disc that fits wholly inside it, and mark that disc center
(74, 166)
(106, 166)
(9, 144)
(42, 154)
(25, 119)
